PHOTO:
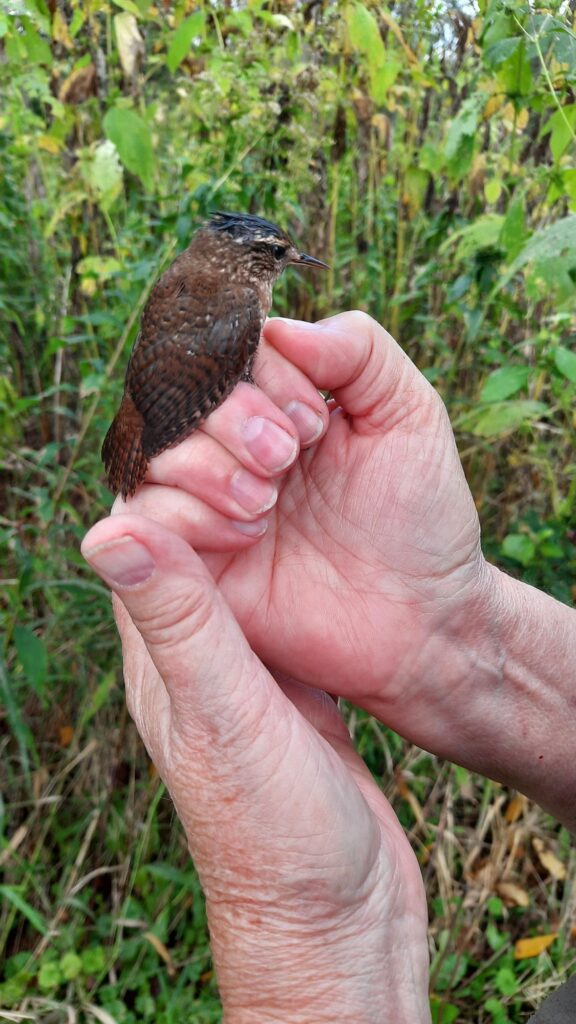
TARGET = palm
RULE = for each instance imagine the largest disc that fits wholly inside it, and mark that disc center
(372, 533)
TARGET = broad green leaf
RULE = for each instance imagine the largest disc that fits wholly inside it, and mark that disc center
(504, 417)
(464, 125)
(493, 190)
(12, 894)
(37, 48)
(555, 243)
(32, 656)
(515, 73)
(513, 233)
(562, 129)
(382, 77)
(102, 172)
(565, 361)
(182, 39)
(364, 34)
(504, 382)
(483, 233)
(502, 50)
(131, 136)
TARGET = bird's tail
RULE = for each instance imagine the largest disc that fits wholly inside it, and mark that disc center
(122, 451)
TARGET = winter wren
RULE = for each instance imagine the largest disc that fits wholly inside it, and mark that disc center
(198, 337)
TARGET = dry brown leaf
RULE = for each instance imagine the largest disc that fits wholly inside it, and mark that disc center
(549, 860)
(162, 951)
(130, 43)
(65, 735)
(525, 948)
(513, 893)
(515, 808)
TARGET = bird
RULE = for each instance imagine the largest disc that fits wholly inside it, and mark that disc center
(198, 337)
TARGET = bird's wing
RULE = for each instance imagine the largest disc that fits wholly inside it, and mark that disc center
(192, 350)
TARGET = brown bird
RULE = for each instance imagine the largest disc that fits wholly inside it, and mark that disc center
(198, 337)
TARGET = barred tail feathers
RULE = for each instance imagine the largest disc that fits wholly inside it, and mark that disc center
(122, 451)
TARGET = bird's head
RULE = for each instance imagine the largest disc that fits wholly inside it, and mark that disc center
(257, 248)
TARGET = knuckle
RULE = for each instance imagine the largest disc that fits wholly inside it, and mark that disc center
(181, 616)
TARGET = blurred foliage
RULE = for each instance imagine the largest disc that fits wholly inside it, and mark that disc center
(427, 152)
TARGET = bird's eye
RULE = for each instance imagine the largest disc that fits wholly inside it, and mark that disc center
(279, 252)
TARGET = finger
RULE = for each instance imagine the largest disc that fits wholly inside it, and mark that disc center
(360, 363)
(192, 519)
(189, 632)
(255, 431)
(293, 392)
(202, 467)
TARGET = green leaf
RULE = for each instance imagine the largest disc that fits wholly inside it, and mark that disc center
(128, 5)
(483, 233)
(32, 656)
(502, 383)
(98, 698)
(182, 39)
(513, 231)
(493, 190)
(364, 34)
(71, 966)
(504, 417)
(553, 243)
(102, 267)
(464, 125)
(131, 136)
(566, 362)
(506, 981)
(102, 172)
(562, 129)
(49, 976)
(12, 894)
(364, 37)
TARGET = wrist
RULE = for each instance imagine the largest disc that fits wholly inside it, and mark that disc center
(273, 968)
(501, 678)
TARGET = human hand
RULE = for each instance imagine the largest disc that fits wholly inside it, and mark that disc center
(314, 896)
(372, 547)
(369, 581)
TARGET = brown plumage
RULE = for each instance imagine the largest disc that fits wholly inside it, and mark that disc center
(198, 337)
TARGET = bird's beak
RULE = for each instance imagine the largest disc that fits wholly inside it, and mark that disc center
(310, 261)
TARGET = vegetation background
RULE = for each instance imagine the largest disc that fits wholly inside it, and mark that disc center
(427, 151)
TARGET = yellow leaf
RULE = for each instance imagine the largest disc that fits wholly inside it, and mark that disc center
(60, 31)
(525, 948)
(49, 143)
(161, 950)
(492, 106)
(513, 893)
(522, 119)
(515, 808)
(549, 860)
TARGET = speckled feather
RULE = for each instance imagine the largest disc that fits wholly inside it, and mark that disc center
(198, 337)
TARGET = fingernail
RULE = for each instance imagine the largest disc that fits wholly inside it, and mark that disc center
(124, 561)
(252, 492)
(251, 529)
(269, 444)
(307, 422)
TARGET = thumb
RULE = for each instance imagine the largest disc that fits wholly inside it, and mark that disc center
(193, 640)
(355, 359)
